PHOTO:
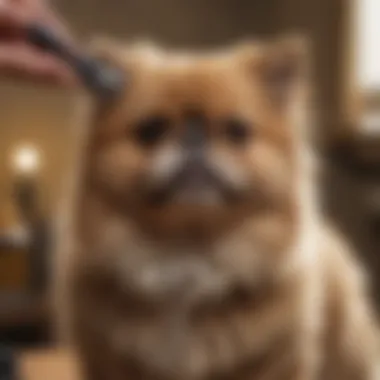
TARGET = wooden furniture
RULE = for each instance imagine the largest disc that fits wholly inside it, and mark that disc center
(24, 313)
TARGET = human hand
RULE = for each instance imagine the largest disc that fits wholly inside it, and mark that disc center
(18, 58)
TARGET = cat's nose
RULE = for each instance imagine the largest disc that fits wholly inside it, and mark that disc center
(195, 137)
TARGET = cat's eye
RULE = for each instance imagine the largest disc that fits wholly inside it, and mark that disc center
(237, 131)
(151, 131)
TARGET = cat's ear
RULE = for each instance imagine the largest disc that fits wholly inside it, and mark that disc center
(123, 54)
(281, 67)
(284, 67)
(108, 50)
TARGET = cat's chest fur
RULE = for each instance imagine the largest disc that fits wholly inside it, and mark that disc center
(150, 315)
(183, 314)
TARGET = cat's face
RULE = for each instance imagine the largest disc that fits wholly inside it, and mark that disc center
(200, 142)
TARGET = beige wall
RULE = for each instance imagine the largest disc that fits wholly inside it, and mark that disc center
(32, 116)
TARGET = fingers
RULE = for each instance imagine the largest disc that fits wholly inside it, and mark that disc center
(21, 60)
(16, 15)
(12, 16)
(17, 57)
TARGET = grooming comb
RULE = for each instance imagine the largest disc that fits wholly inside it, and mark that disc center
(101, 79)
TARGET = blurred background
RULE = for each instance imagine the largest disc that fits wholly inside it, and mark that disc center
(37, 130)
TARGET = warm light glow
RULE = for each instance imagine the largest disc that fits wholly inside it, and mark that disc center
(26, 159)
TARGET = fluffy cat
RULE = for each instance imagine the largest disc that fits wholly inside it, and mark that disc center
(196, 249)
